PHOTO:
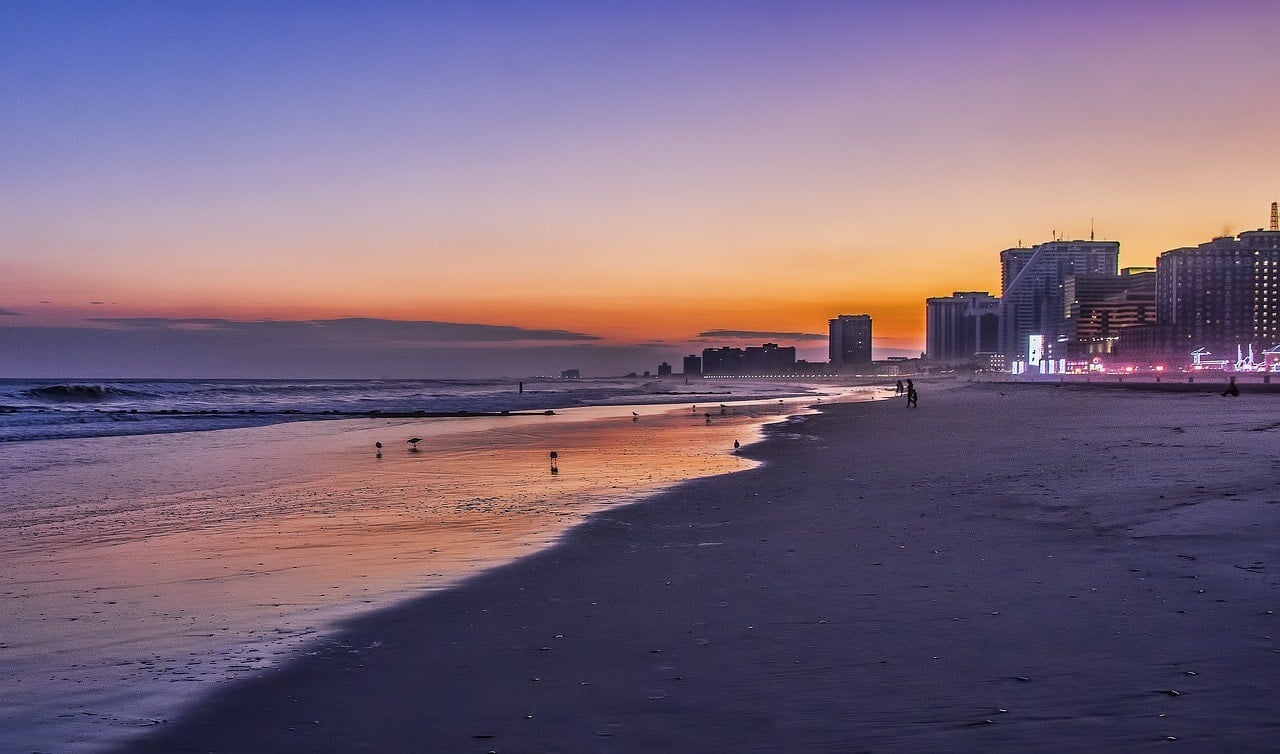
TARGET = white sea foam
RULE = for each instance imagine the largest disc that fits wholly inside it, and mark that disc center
(60, 409)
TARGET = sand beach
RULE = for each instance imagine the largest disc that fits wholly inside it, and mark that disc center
(1007, 568)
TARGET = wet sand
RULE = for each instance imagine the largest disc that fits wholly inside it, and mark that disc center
(142, 571)
(1006, 568)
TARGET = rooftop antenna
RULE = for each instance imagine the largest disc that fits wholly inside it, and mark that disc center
(1275, 215)
(1091, 229)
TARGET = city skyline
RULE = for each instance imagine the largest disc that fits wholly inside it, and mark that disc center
(594, 185)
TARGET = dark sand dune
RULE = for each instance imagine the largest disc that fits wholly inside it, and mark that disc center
(1016, 569)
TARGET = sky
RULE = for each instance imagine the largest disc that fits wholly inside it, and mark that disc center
(482, 188)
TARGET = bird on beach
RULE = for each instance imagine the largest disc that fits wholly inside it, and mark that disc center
(736, 445)
(414, 442)
(635, 416)
(378, 445)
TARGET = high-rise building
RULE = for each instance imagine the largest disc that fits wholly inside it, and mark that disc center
(1220, 295)
(693, 366)
(1011, 263)
(961, 326)
(769, 358)
(1033, 300)
(664, 369)
(850, 341)
(722, 361)
(1099, 307)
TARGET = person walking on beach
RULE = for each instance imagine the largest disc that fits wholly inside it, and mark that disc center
(912, 396)
(899, 389)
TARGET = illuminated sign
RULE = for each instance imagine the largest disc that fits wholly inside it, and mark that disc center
(1035, 351)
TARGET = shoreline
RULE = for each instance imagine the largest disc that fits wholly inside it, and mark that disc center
(888, 579)
(78, 418)
(232, 553)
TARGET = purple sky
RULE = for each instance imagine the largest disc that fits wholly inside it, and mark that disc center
(639, 173)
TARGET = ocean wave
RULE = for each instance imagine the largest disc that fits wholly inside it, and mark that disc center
(82, 393)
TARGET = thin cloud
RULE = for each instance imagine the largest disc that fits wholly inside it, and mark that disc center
(10, 313)
(357, 328)
(765, 334)
(158, 323)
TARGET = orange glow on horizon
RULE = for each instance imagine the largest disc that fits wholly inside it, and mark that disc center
(621, 301)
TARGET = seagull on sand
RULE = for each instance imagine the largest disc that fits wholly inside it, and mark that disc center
(414, 442)
(736, 445)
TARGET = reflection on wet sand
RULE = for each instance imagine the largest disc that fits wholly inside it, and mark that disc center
(134, 564)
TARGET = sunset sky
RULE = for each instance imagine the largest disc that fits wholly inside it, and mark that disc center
(606, 180)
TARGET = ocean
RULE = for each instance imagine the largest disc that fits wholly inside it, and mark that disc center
(150, 561)
(63, 409)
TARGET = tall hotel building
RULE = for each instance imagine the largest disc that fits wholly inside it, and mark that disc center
(1033, 299)
(850, 341)
(961, 326)
(1220, 295)
(1100, 308)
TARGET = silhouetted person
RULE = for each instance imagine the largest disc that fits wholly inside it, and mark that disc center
(900, 388)
(1232, 390)
(912, 396)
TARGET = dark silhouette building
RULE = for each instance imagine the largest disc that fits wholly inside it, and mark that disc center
(850, 342)
(693, 366)
(767, 359)
(725, 360)
(664, 369)
(961, 326)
